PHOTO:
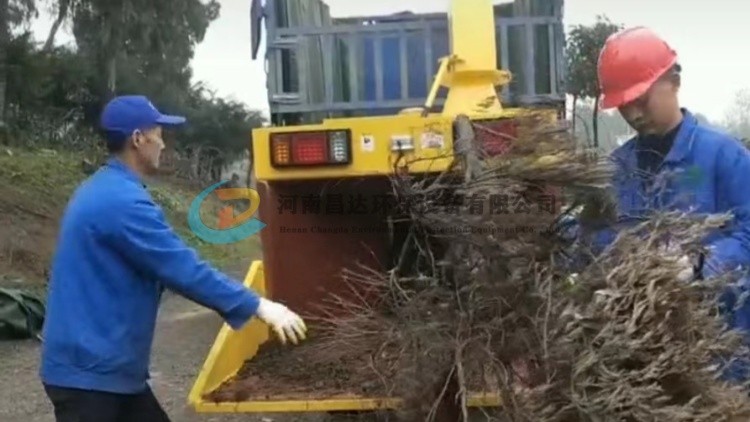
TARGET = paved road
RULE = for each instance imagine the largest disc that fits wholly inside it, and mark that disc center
(185, 333)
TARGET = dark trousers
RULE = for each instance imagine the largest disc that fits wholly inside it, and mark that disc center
(73, 405)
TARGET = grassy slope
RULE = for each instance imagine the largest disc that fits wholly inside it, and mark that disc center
(34, 188)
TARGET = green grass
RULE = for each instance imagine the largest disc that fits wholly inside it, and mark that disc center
(43, 176)
(43, 180)
(176, 200)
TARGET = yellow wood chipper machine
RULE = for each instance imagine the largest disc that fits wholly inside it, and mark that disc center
(354, 101)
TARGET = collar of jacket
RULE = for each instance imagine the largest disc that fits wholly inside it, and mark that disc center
(681, 148)
(117, 165)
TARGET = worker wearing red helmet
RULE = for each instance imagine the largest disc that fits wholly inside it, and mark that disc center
(674, 162)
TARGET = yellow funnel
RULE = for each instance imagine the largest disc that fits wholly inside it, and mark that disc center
(471, 73)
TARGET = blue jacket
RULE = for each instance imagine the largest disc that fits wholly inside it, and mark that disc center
(705, 172)
(115, 255)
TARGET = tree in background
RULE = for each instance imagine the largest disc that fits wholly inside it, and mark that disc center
(60, 9)
(227, 123)
(611, 127)
(737, 117)
(582, 53)
(154, 38)
(55, 94)
(12, 14)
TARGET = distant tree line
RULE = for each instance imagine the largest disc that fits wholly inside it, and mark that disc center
(583, 44)
(737, 117)
(52, 96)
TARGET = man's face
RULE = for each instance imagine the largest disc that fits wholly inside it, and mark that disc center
(148, 146)
(653, 112)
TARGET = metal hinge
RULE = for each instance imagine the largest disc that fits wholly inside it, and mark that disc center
(284, 43)
(286, 98)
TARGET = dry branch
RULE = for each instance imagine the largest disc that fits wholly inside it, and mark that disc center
(488, 300)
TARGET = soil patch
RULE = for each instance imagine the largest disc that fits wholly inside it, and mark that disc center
(28, 232)
(279, 372)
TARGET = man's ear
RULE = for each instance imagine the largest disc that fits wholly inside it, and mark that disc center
(137, 139)
(678, 80)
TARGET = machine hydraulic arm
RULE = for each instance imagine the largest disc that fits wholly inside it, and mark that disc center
(470, 72)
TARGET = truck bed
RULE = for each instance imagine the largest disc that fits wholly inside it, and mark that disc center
(323, 67)
(230, 381)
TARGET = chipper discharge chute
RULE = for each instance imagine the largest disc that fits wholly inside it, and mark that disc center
(325, 190)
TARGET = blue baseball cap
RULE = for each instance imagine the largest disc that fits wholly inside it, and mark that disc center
(125, 114)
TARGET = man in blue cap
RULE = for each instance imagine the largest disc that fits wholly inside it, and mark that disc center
(115, 255)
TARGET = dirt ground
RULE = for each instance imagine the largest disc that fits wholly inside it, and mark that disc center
(184, 335)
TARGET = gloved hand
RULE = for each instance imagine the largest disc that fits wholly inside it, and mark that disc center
(687, 273)
(687, 263)
(285, 323)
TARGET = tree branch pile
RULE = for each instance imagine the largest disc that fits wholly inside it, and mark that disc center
(490, 295)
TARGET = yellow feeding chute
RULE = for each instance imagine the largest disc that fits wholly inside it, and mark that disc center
(470, 72)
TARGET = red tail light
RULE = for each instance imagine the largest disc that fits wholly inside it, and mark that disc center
(310, 148)
(316, 148)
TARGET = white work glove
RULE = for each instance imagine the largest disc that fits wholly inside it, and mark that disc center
(685, 262)
(687, 273)
(285, 323)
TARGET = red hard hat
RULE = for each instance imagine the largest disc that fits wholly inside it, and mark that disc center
(630, 62)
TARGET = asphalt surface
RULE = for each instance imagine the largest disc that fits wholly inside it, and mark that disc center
(184, 335)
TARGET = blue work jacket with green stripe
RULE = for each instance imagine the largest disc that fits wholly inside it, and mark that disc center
(115, 255)
(706, 172)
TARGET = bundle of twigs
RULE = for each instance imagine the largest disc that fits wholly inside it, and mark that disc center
(632, 342)
(484, 298)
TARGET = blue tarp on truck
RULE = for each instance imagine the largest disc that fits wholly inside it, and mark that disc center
(320, 66)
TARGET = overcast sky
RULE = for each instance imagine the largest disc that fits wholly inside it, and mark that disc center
(715, 63)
